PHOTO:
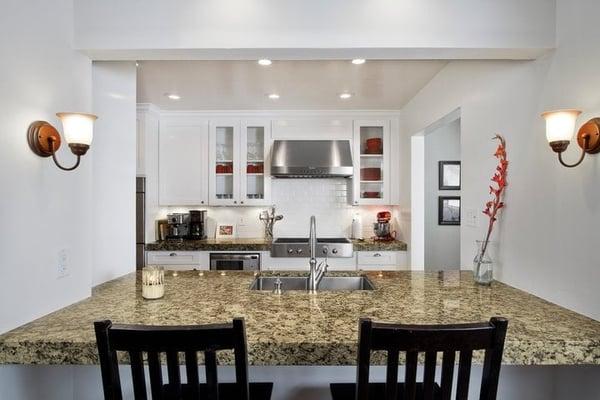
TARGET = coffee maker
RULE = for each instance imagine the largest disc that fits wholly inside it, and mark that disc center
(196, 225)
(189, 226)
(177, 226)
(382, 227)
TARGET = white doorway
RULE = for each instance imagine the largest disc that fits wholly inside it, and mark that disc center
(436, 195)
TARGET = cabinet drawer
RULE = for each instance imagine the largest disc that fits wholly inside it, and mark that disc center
(173, 258)
(376, 258)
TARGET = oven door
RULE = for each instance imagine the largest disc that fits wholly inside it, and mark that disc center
(234, 261)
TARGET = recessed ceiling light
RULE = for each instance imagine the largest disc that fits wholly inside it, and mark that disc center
(173, 96)
(358, 61)
(345, 96)
(265, 62)
(273, 96)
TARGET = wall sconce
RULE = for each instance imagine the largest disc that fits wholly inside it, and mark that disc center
(560, 127)
(78, 128)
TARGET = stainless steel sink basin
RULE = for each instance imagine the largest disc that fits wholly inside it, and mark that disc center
(328, 283)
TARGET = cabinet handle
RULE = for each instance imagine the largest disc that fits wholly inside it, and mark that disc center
(172, 254)
(202, 202)
(235, 202)
(377, 255)
(241, 202)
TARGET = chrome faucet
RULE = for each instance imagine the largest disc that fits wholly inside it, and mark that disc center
(316, 273)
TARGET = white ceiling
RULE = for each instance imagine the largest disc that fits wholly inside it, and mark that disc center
(244, 85)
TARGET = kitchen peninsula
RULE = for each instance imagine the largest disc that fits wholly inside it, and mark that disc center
(296, 328)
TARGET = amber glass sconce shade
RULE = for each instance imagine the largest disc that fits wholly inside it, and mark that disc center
(78, 128)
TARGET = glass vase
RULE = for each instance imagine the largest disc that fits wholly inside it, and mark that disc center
(483, 265)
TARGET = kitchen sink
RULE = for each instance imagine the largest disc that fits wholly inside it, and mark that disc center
(328, 283)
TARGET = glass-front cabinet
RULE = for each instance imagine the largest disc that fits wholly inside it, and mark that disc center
(255, 165)
(239, 174)
(371, 181)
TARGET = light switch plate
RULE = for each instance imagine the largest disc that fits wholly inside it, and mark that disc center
(63, 263)
(471, 218)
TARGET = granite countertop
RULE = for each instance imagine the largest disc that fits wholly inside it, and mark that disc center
(301, 329)
(258, 244)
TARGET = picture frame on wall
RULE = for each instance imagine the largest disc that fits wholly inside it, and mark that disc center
(449, 175)
(449, 210)
(225, 231)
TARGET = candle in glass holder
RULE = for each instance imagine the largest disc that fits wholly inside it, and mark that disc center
(153, 282)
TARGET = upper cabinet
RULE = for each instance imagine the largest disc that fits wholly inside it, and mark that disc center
(255, 168)
(372, 173)
(183, 170)
(239, 166)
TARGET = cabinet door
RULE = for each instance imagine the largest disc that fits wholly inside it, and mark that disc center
(255, 176)
(371, 180)
(140, 166)
(183, 172)
(224, 167)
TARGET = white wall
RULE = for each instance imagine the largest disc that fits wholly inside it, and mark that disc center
(442, 242)
(42, 208)
(216, 29)
(114, 169)
(546, 234)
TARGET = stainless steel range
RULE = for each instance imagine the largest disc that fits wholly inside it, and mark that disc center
(300, 247)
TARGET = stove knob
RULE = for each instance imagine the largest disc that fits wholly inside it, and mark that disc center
(290, 251)
(299, 251)
(334, 251)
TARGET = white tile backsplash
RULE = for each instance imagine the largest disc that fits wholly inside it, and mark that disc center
(297, 200)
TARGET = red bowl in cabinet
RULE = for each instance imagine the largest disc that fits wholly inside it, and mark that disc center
(370, 174)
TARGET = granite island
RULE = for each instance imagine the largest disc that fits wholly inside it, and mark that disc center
(298, 329)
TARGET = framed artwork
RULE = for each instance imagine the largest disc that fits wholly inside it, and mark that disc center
(449, 210)
(225, 231)
(449, 175)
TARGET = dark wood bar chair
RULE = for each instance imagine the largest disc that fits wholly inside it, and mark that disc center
(427, 339)
(137, 340)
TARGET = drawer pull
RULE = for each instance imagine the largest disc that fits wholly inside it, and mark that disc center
(377, 255)
(172, 254)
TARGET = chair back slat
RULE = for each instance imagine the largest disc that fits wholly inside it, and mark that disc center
(210, 361)
(391, 381)
(464, 375)
(410, 375)
(447, 374)
(154, 370)
(364, 359)
(432, 339)
(172, 341)
(137, 374)
(191, 373)
(174, 375)
(429, 375)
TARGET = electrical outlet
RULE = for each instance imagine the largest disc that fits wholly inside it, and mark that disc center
(241, 221)
(63, 263)
(471, 218)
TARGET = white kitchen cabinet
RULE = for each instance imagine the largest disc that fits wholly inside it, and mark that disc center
(239, 162)
(177, 260)
(371, 182)
(381, 260)
(255, 166)
(183, 170)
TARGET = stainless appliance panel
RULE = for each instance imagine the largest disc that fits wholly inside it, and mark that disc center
(311, 159)
(235, 261)
(299, 247)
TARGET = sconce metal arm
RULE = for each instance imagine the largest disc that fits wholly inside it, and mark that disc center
(586, 140)
(51, 145)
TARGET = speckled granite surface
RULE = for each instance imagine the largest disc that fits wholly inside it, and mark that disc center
(372, 245)
(258, 244)
(250, 244)
(300, 329)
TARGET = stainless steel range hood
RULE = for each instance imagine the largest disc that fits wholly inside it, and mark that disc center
(311, 159)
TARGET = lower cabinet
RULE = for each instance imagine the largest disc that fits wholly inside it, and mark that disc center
(362, 260)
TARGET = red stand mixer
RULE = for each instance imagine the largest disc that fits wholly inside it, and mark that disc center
(382, 227)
